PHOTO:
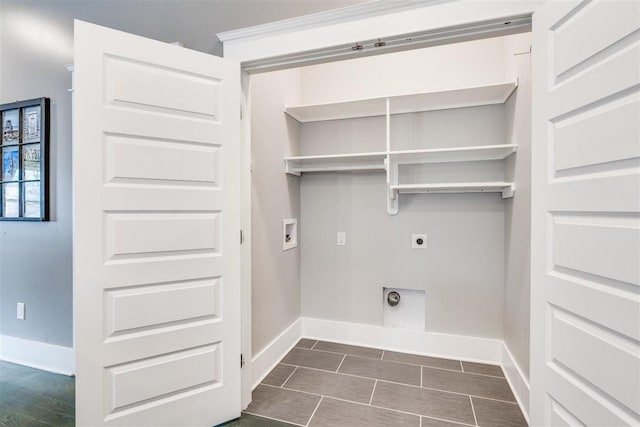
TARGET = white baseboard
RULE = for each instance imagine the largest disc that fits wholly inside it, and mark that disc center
(271, 355)
(459, 347)
(518, 382)
(39, 355)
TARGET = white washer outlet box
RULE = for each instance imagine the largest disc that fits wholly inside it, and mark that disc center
(289, 233)
(419, 241)
(408, 313)
(341, 239)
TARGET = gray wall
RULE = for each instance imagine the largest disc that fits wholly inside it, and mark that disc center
(275, 284)
(36, 42)
(35, 258)
(517, 211)
(462, 270)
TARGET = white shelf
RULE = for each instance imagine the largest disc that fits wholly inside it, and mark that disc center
(375, 161)
(506, 188)
(456, 154)
(356, 162)
(410, 103)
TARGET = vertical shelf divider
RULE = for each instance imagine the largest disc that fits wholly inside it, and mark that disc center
(392, 167)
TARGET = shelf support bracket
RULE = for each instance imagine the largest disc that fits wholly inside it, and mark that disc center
(289, 168)
(508, 192)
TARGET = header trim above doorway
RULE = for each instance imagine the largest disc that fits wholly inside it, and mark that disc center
(372, 29)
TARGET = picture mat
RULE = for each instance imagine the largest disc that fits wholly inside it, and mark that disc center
(11, 126)
(10, 200)
(10, 164)
(31, 124)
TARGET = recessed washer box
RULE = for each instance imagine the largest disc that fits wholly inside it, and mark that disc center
(409, 313)
(289, 233)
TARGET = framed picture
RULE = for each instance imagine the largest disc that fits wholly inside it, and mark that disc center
(24, 161)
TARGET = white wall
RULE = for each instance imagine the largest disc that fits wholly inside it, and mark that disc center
(275, 283)
(462, 270)
(448, 66)
(517, 211)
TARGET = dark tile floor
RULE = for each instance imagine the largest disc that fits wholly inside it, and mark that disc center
(316, 384)
(31, 397)
(323, 384)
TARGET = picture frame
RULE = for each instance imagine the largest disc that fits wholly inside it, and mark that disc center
(24, 160)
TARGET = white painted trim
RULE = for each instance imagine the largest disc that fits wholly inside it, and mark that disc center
(39, 355)
(271, 355)
(245, 248)
(343, 27)
(473, 349)
(334, 16)
(516, 379)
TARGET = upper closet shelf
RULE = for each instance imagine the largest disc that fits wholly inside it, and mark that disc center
(455, 154)
(398, 104)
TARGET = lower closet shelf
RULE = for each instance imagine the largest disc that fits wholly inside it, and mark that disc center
(506, 188)
(355, 162)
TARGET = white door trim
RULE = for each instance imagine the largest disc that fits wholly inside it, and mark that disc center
(245, 247)
(313, 36)
(304, 34)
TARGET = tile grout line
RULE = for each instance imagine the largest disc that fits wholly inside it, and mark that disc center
(341, 362)
(289, 377)
(408, 354)
(420, 376)
(364, 404)
(272, 418)
(372, 392)
(407, 385)
(314, 411)
(449, 421)
(337, 352)
(473, 409)
(454, 370)
(408, 364)
(427, 366)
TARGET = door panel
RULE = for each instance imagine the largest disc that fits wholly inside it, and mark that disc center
(585, 349)
(156, 224)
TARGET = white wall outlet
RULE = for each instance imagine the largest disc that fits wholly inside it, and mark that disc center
(21, 311)
(341, 238)
(419, 241)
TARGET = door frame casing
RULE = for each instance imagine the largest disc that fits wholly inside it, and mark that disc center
(313, 34)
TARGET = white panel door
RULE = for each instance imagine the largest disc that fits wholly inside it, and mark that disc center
(156, 232)
(585, 357)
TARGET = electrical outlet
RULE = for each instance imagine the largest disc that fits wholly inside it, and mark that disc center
(21, 311)
(341, 238)
(419, 241)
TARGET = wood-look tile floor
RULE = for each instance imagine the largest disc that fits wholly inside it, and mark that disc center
(323, 384)
(31, 397)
